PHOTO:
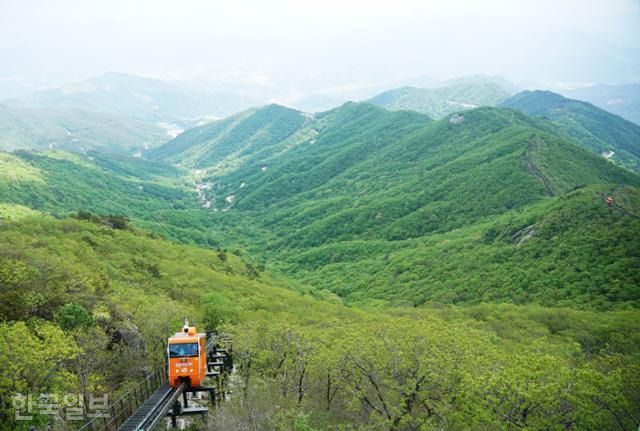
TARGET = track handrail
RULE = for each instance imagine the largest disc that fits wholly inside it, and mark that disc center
(100, 422)
(115, 416)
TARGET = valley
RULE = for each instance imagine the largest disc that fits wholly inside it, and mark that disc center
(476, 268)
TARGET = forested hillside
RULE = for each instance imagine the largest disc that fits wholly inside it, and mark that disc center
(377, 270)
(343, 201)
(75, 130)
(593, 128)
(87, 305)
(456, 96)
(374, 205)
(87, 302)
(61, 183)
(221, 145)
(572, 251)
(369, 202)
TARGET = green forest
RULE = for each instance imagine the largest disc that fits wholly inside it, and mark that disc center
(597, 129)
(376, 270)
(97, 300)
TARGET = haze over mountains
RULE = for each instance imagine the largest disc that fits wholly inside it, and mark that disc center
(76, 130)
(113, 112)
(456, 95)
(167, 108)
(622, 100)
(144, 98)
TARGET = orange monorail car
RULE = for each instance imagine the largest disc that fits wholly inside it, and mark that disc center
(187, 355)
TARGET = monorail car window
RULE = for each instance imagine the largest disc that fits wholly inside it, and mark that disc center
(183, 349)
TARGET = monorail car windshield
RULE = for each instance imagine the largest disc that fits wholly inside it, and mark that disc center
(183, 350)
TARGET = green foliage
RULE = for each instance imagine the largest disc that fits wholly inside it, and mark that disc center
(388, 212)
(137, 168)
(221, 144)
(33, 357)
(217, 311)
(16, 212)
(114, 221)
(303, 363)
(424, 369)
(75, 130)
(72, 316)
(572, 250)
(74, 183)
(57, 274)
(441, 102)
(390, 206)
(384, 206)
(13, 169)
(590, 127)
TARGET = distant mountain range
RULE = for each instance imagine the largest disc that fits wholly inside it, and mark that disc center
(456, 95)
(623, 100)
(147, 99)
(130, 114)
(111, 113)
(75, 130)
(482, 79)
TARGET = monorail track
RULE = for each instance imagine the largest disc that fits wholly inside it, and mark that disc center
(153, 409)
(143, 408)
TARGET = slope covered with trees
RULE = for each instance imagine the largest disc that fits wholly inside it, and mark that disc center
(457, 95)
(75, 130)
(370, 184)
(86, 304)
(356, 201)
(374, 205)
(573, 250)
(362, 259)
(61, 183)
(86, 308)
(222, 144)
(591, 127)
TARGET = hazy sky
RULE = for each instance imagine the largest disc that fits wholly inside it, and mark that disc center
(321, 43)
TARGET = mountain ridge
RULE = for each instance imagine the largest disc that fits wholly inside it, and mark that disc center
(358, 183)
(356, 191)
(75, 130)
(200, 146)
(150, 99)
(622, 100)
(593, 128)
(457, 95)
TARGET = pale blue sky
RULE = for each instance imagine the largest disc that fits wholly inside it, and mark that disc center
(321, 43)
